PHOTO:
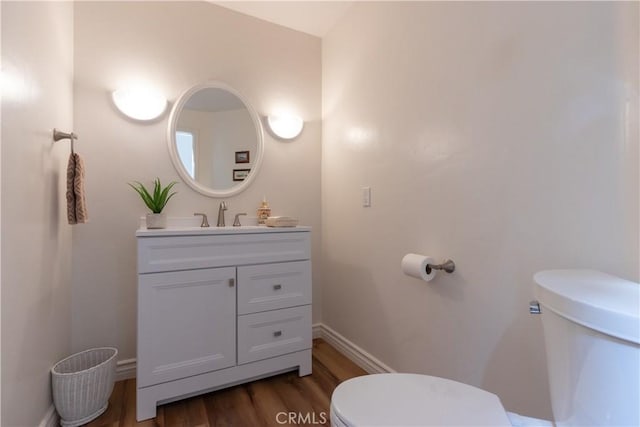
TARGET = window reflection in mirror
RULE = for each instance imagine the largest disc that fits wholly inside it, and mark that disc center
(186, 144)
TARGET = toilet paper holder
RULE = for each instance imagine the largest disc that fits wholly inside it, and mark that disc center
(447, 265)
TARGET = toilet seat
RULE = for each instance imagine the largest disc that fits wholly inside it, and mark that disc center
(413, 400)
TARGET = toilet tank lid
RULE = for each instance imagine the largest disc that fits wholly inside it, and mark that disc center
(594, 299)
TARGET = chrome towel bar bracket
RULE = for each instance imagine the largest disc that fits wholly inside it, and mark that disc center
(58, 135)
(447, 266)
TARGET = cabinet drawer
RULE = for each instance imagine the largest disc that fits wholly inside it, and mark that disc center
(273, 286)
(158, 254)
(272, 333)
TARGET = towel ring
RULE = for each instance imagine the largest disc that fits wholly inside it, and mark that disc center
(58, 135)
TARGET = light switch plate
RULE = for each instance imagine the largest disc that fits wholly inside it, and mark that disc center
(366, 197)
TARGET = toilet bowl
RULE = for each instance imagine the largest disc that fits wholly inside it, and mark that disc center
(589, 319)
(413, 400)
(418, 400)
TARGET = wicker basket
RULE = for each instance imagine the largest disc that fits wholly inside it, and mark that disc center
(82, 384)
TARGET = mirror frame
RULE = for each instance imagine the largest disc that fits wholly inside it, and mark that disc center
(173, 151)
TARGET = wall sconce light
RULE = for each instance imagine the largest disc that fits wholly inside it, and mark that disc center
(285, 127)
(139, 103)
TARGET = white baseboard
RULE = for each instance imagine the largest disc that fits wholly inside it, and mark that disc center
(51, 418)
(126, 369)
(354, 353)
(316, 330)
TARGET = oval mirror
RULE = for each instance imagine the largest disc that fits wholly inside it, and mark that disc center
(215, 140)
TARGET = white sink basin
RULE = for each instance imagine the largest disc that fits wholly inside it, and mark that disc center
(189, 226)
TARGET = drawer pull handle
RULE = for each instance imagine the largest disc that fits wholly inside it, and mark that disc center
(277, 333)
(277, 287)
(232, 282)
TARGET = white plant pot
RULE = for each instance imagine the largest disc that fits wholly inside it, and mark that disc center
(155, 220)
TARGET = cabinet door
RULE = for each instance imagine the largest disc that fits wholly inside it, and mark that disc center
(186, 324)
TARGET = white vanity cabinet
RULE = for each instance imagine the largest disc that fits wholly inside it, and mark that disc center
(218, 307)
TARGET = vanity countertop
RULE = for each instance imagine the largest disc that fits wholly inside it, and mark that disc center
(196, 231)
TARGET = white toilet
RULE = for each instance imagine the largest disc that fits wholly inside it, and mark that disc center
(591, 323)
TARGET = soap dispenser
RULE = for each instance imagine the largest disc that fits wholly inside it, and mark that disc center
(264, 211)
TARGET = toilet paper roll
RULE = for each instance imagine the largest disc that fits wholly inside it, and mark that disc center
(415, 265)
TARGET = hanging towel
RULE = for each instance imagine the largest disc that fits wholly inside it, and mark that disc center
(76, 203)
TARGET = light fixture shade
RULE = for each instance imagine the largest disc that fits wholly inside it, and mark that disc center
(139, 103)
(285, 127)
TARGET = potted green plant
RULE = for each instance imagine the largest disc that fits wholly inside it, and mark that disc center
(155, 200)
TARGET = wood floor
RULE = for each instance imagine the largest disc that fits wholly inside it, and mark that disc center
(266, 402)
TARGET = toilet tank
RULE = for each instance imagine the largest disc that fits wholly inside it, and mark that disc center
(591, 323)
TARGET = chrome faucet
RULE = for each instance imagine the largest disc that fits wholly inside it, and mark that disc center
(204, 223)
(221, 209)
(236, 220)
